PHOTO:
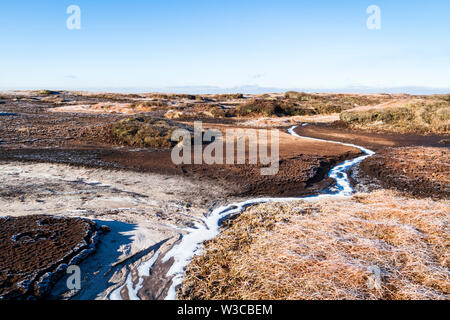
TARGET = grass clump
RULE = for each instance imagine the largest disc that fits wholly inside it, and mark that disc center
(328, 103)
(171, 96)
(327, 109)
(297, 96)
(261, 107)
(419, 117)
(228, 96)
(144, 132)
(221, 112)
(47, 92)
(283, 107)
(116, 97)
(146, 106)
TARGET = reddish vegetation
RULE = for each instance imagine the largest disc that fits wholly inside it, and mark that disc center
(32, 246)
(418, 170)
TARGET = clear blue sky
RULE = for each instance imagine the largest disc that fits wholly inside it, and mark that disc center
(164, 43)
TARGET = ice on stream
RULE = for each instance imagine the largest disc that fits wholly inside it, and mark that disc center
(191, 243)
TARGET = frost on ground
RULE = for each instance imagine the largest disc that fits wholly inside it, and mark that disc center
(35, 252)
(381, 245)
(146, 213)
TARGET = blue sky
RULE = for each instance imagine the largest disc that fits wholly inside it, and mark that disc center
(225, 43)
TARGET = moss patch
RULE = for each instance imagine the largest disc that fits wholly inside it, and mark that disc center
(145, 132)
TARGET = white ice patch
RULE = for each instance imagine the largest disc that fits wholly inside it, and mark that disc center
(143, 271)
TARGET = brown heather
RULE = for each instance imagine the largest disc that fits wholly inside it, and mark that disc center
(421, 116)
(329, 250)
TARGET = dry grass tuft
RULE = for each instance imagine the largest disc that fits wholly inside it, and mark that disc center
(426, 116)
(144, 132)
(330, 249)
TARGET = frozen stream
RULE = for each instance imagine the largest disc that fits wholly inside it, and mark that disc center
(209, 228)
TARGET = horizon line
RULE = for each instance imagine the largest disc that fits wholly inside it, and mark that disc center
(245, 89)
